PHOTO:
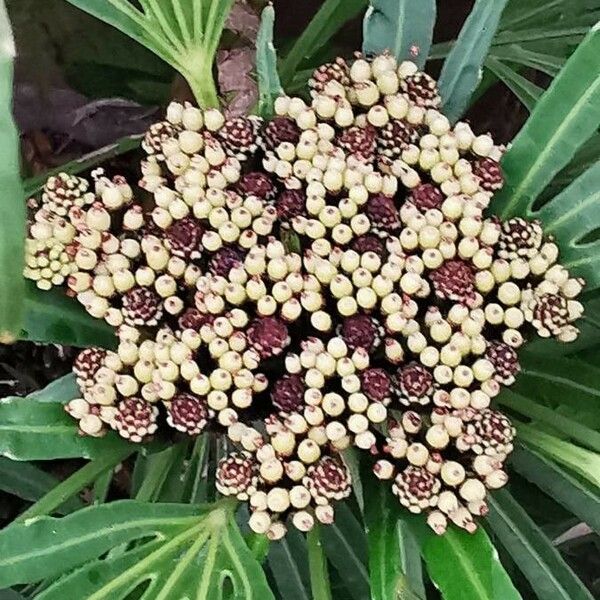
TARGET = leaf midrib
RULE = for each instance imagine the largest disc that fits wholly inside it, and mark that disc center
(548, 148)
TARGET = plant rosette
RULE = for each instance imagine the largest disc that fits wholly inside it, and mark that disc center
(317, 280)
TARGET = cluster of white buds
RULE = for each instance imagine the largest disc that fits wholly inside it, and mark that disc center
(329, 271)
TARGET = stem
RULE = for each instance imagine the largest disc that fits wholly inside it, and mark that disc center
(319, 577)
(202, 84)
(74, 484)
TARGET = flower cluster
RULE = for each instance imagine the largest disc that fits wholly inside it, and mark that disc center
(322, 279)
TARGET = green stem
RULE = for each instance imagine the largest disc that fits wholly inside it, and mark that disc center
(74, 484)
(319, 577)
(202, 83)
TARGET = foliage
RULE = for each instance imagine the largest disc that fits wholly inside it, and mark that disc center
(163, 544)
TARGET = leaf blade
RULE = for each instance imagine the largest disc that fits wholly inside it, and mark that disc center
(462, 69)
(403, 27)
(269, 85)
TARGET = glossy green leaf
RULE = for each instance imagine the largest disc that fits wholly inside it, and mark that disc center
(26, 481)
(570, 217)
(12, 198)
(463, 566)
(539, 413)
(317, 562)
(181, 551)
(548, 574)
(331, 17)
(184, 34)
(73, 484)
(566, 116)
(404, 27)
(345, 546)
(269, 85)
(288, 563)
(540, 61)
(582, 500)
(34, 430)
(386, 560)
(579, 460)
(461, 72)
(53, 318)
(528, 93)
(60, 390)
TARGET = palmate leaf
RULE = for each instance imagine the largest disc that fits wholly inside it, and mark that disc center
(549, 575)
(167, 551)
(52, 317)
(184, 33)
(394, 566)
(269, 85)
(12, 224)
(462, 68)
(38, 428)
(565, 117)
(330, 17)
(463, 566)
(403, 27)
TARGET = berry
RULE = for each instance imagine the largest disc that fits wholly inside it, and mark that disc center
(376, 384)
(86, 365)
(416, 488)
(369, 243)
(359, 142)
(520, 239)
(157, 134)
(334, 71)
(224, 260)
(489, 432)
(361, 331)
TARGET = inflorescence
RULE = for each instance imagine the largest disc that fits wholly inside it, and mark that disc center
(322, 279)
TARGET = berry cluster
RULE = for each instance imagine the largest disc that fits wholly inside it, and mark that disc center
(322, 279)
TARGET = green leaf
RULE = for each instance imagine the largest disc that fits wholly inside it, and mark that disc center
(332, 15)
(269, 86)
(60, 390)
(319, 576)
(539, 413)
(71, 486)
(579, 460)
(36, 430)
(570, 217)
(12, 224)
(462, 69)
(549, 575)
(516, 54)
(26, 481)
(557, 483)
(179, 551)
(387, 556)
(528, 93)
(34, 184)
(184, 34)
(566, 116)
(345, 546)
(52, 317)
(288, 564)
(463, 566)
(404, 27)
